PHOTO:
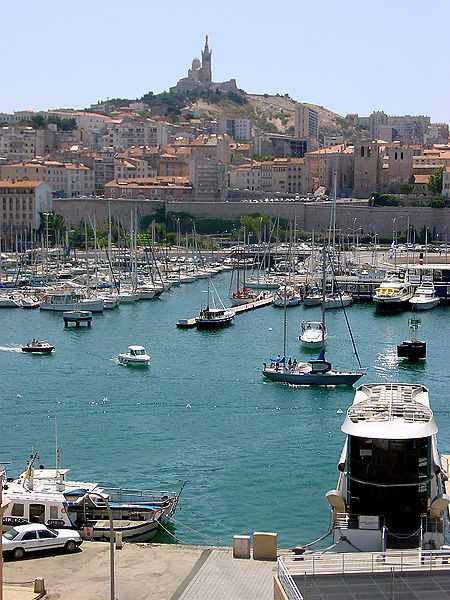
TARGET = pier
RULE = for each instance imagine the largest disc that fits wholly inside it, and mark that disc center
(190, 323)
(77, 317)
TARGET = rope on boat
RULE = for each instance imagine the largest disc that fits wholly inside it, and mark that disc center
(325, 535)
(345, 312)
(171, 534)
(199, 532)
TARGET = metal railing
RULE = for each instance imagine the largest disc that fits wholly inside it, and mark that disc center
(317, 563)
(286, 581)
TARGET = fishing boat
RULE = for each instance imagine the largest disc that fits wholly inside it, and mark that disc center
(135, 357)
(317, 371)
(313, 334)
(68, 300)
(38, 347)
(391, 487)
(213, 316)
(424, 297)
(47, 496)
(393, 294)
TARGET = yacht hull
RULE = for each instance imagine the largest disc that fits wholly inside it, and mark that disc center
(216, 324)
(313, 378)
(393, 306)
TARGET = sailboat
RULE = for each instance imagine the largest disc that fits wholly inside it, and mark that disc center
(241, 295)
(317, 371)
(213, 316)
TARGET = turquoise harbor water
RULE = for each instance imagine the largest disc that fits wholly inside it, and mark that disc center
(256, 455)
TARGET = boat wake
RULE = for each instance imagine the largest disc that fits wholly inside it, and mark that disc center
(10, 348)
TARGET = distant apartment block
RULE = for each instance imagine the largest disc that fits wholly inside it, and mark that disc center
(156, 188)
(406, 128)
(66, 180)
(131, 132)
(280, 146)
(237, 129)
(281, 175)
(21, 203)
(306, 122)
(17, 143)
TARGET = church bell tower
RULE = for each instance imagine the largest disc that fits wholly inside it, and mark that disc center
(206, 64)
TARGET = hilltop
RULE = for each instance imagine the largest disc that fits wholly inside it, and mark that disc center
(269, 113)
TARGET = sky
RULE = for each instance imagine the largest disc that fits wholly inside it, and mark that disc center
(346, 55)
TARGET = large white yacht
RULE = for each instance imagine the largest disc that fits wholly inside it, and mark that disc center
(393, 294)
(424, 297)
(390, 491)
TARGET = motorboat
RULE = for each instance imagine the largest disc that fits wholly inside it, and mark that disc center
(68, 300)
(286, 295)
(135, 357)
(313, 334)
(391, 486)
(38, 347)
(30, 302)
(393, 294)
(313, 297)
(215, 314)
(338, 300)
(424, 297)
(49, 497)
(317, 371)
(10, 301)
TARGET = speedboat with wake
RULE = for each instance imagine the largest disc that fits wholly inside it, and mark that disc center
(38, 347)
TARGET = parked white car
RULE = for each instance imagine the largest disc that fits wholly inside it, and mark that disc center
(36, 537)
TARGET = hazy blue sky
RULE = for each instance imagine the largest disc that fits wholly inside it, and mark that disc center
(347, 55)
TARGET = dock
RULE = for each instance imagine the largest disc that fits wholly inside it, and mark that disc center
(189, 323)
(77, 317)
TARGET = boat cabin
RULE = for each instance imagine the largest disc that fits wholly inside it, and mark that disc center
(136, 350)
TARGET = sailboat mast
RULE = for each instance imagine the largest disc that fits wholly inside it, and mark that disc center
(324, 281)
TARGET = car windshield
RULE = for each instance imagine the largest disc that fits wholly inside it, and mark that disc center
(11, 534)
(53, 531)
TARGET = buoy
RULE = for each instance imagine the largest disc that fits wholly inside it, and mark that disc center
(270, 328)
(339, 411)
(188, 405)
(18, 396)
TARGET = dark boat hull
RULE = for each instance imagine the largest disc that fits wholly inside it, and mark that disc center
(31, 350)
(203, 324)
(412, 350)
(312, 378)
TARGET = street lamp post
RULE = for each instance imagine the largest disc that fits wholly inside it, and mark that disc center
(3, 505)
(111, 540)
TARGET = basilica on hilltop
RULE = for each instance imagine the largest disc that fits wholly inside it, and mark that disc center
(199, 76)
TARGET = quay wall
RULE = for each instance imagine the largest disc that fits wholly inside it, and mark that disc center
(350, 216)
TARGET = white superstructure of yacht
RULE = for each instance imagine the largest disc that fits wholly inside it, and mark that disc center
(390, 491)
(424, 297)
(393, 294)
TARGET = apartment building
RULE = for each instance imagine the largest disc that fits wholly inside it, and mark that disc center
(306, 122)
(21, 203)
(237, 129)
(155, 188)
(135, 132)
(132, 168)
(281, 175)
(66, 180)
(17, 143)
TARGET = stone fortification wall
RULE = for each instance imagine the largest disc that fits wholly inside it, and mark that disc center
(309, 216)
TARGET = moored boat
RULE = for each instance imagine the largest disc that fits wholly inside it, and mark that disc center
(393, 294)
(424, 297)
(391, 486)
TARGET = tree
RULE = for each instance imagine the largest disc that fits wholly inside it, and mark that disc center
(38, 122)
(405, 188)
(435, 182)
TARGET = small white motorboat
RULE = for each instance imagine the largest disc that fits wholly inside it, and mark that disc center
(424, 297)
(313, 334)
(38, 347)
(135, 357)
